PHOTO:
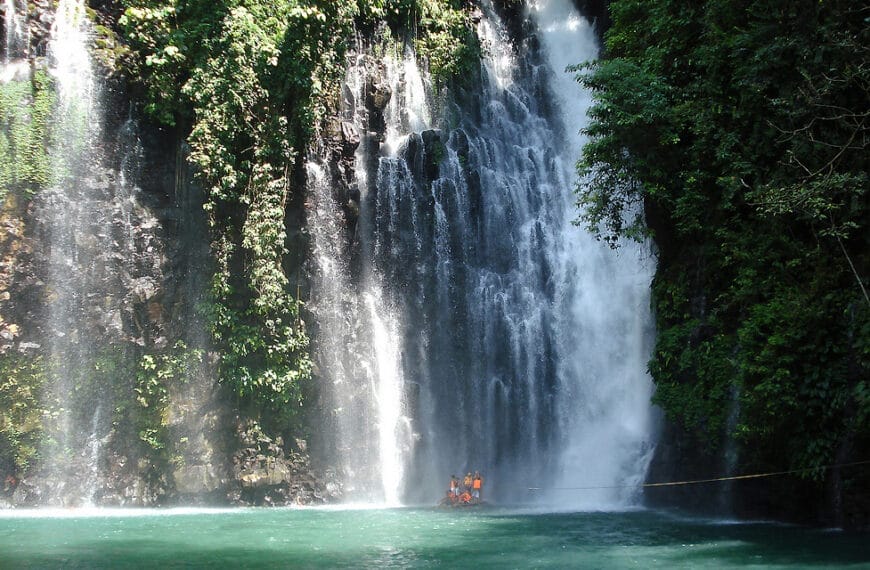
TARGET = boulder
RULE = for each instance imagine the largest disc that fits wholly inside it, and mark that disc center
(267, 474)
(434, 152)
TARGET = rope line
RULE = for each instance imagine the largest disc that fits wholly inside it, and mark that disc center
(696, 481)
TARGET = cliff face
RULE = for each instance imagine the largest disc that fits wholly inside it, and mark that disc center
(109, 391)
(151, 342)
(115, 381)
(139, 250)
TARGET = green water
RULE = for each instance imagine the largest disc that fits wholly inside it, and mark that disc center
(411, 538)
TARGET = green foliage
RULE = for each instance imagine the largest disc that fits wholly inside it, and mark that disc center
(442, 31)
(253, 79)
(25, 110)
(632, 104)
(74, 385)
(741, 130)
(158, 54)
(21, 412)
(447, 40)
(154, 379)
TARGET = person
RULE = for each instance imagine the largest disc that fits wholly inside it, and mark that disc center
(454, 485)
(477, 486)
(448, 499)
(465, 498)
(466, 483)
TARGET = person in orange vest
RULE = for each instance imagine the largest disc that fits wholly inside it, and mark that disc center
(454, 485)
(466, 483)
(477, 486)
(448, 499)
(465, 498)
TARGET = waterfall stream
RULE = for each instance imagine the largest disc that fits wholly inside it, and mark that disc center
(463, 323)
(17, 34)
(606, 419)
(73, 230)
(102, 266)
(469, 325)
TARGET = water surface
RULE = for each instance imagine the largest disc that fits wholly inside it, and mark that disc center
(410, 538)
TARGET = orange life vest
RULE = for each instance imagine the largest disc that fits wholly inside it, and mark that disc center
(478, 483)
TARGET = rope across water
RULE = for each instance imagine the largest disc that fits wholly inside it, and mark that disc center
(713, 480)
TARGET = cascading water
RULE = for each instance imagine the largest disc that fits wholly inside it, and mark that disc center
(731, 451)
(95, 232)
(607, 420)
(357, 347)
(71, 219)
(516, 344)
(16, 31)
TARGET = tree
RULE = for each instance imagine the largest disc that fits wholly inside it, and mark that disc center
(741, 127)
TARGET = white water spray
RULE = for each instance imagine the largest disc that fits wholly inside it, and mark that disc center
(17, 33)
(99, 269)
(509, 340)
(607, 424)
(69, 218)
(393, 425)
(71, 63)
(358, 351)
(408, 108)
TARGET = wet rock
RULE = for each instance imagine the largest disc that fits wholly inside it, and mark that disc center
(25, 494)
(352, 211)
(267, 474)
(460, 142)
(378, 92)
(144, 289)
(412, 153)
(197, 479)
(434, 152)
(350, 138)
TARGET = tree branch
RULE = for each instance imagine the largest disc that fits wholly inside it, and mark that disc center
(854, 271)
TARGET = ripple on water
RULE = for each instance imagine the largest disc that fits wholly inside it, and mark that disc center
(407, 538)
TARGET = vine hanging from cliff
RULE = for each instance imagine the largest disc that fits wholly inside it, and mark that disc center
(25, 136)
(253, 80)
(248, 78)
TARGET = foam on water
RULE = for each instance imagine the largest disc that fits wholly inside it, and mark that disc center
(106, 512)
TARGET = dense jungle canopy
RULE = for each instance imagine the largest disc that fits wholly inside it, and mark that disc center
(740, 131)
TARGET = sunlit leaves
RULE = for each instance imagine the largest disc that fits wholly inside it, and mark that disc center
(21, 410)
(26, 134)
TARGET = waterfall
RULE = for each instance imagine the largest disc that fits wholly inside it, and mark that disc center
(357, 347)
(17, 33)
(731, 451)
(606, 421)
(101, 266)
(467, 320)
(71, 219)
(193, 412)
